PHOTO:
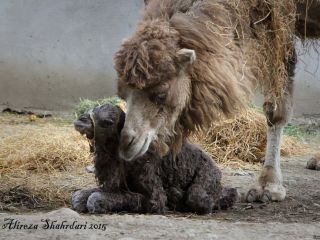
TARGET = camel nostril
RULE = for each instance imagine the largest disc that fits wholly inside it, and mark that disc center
(127, 141)
(130, 143)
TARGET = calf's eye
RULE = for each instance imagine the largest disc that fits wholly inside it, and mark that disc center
(107, 123)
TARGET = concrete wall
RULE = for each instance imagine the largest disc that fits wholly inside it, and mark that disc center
(52, 52)
(307, 85)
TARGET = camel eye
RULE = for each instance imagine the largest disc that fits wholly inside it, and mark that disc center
(106, 123)
(158, 98)
(85, 118)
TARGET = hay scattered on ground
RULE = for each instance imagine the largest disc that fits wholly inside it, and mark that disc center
(41, 146)
(25, 190)
(244, 139)
(43, 162)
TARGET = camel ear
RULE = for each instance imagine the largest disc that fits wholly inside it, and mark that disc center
(124, 40)
(186, 56)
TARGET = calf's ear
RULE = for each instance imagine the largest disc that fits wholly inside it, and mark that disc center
(186, 56)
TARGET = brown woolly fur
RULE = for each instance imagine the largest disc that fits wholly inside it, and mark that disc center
(238, 44)
(267, 28)
(149, 56)
(218, 76)
(191, 182)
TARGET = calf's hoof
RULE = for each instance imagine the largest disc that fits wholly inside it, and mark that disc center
(79, 199)
(253, 195)
(199, 201)
(229, 197)
(97, 203)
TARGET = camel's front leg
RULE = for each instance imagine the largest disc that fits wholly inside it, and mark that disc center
(270, 183)
(269, 186)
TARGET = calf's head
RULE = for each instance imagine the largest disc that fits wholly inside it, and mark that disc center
(103, 124)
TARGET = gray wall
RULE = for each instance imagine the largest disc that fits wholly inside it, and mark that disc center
(52, 52)
(307, 86)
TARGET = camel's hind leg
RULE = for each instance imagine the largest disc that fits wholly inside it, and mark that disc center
(270, 185)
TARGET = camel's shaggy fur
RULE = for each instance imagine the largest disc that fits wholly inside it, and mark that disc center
(238, 44)
(191, 62)
(149, 58)
(190, 182)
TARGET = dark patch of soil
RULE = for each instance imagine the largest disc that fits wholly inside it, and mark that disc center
(302, 203)
(20, 198)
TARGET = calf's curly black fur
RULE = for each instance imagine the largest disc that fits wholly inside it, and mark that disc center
(188, 182)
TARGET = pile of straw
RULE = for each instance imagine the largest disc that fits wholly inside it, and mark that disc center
(41, 162)
(242, 139)
(40, 146)
(25, 190)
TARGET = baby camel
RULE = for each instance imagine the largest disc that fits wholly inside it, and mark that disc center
(187, 182)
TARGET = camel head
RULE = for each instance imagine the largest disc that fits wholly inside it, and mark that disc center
(154, 80)
(102, 124)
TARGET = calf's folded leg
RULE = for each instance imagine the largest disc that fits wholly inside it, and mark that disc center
(198, 200)
(104, 202)
(79, 199)
(206, 187)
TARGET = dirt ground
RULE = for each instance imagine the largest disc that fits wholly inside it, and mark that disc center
(129, 227)
(297, 217)
(302, 204)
